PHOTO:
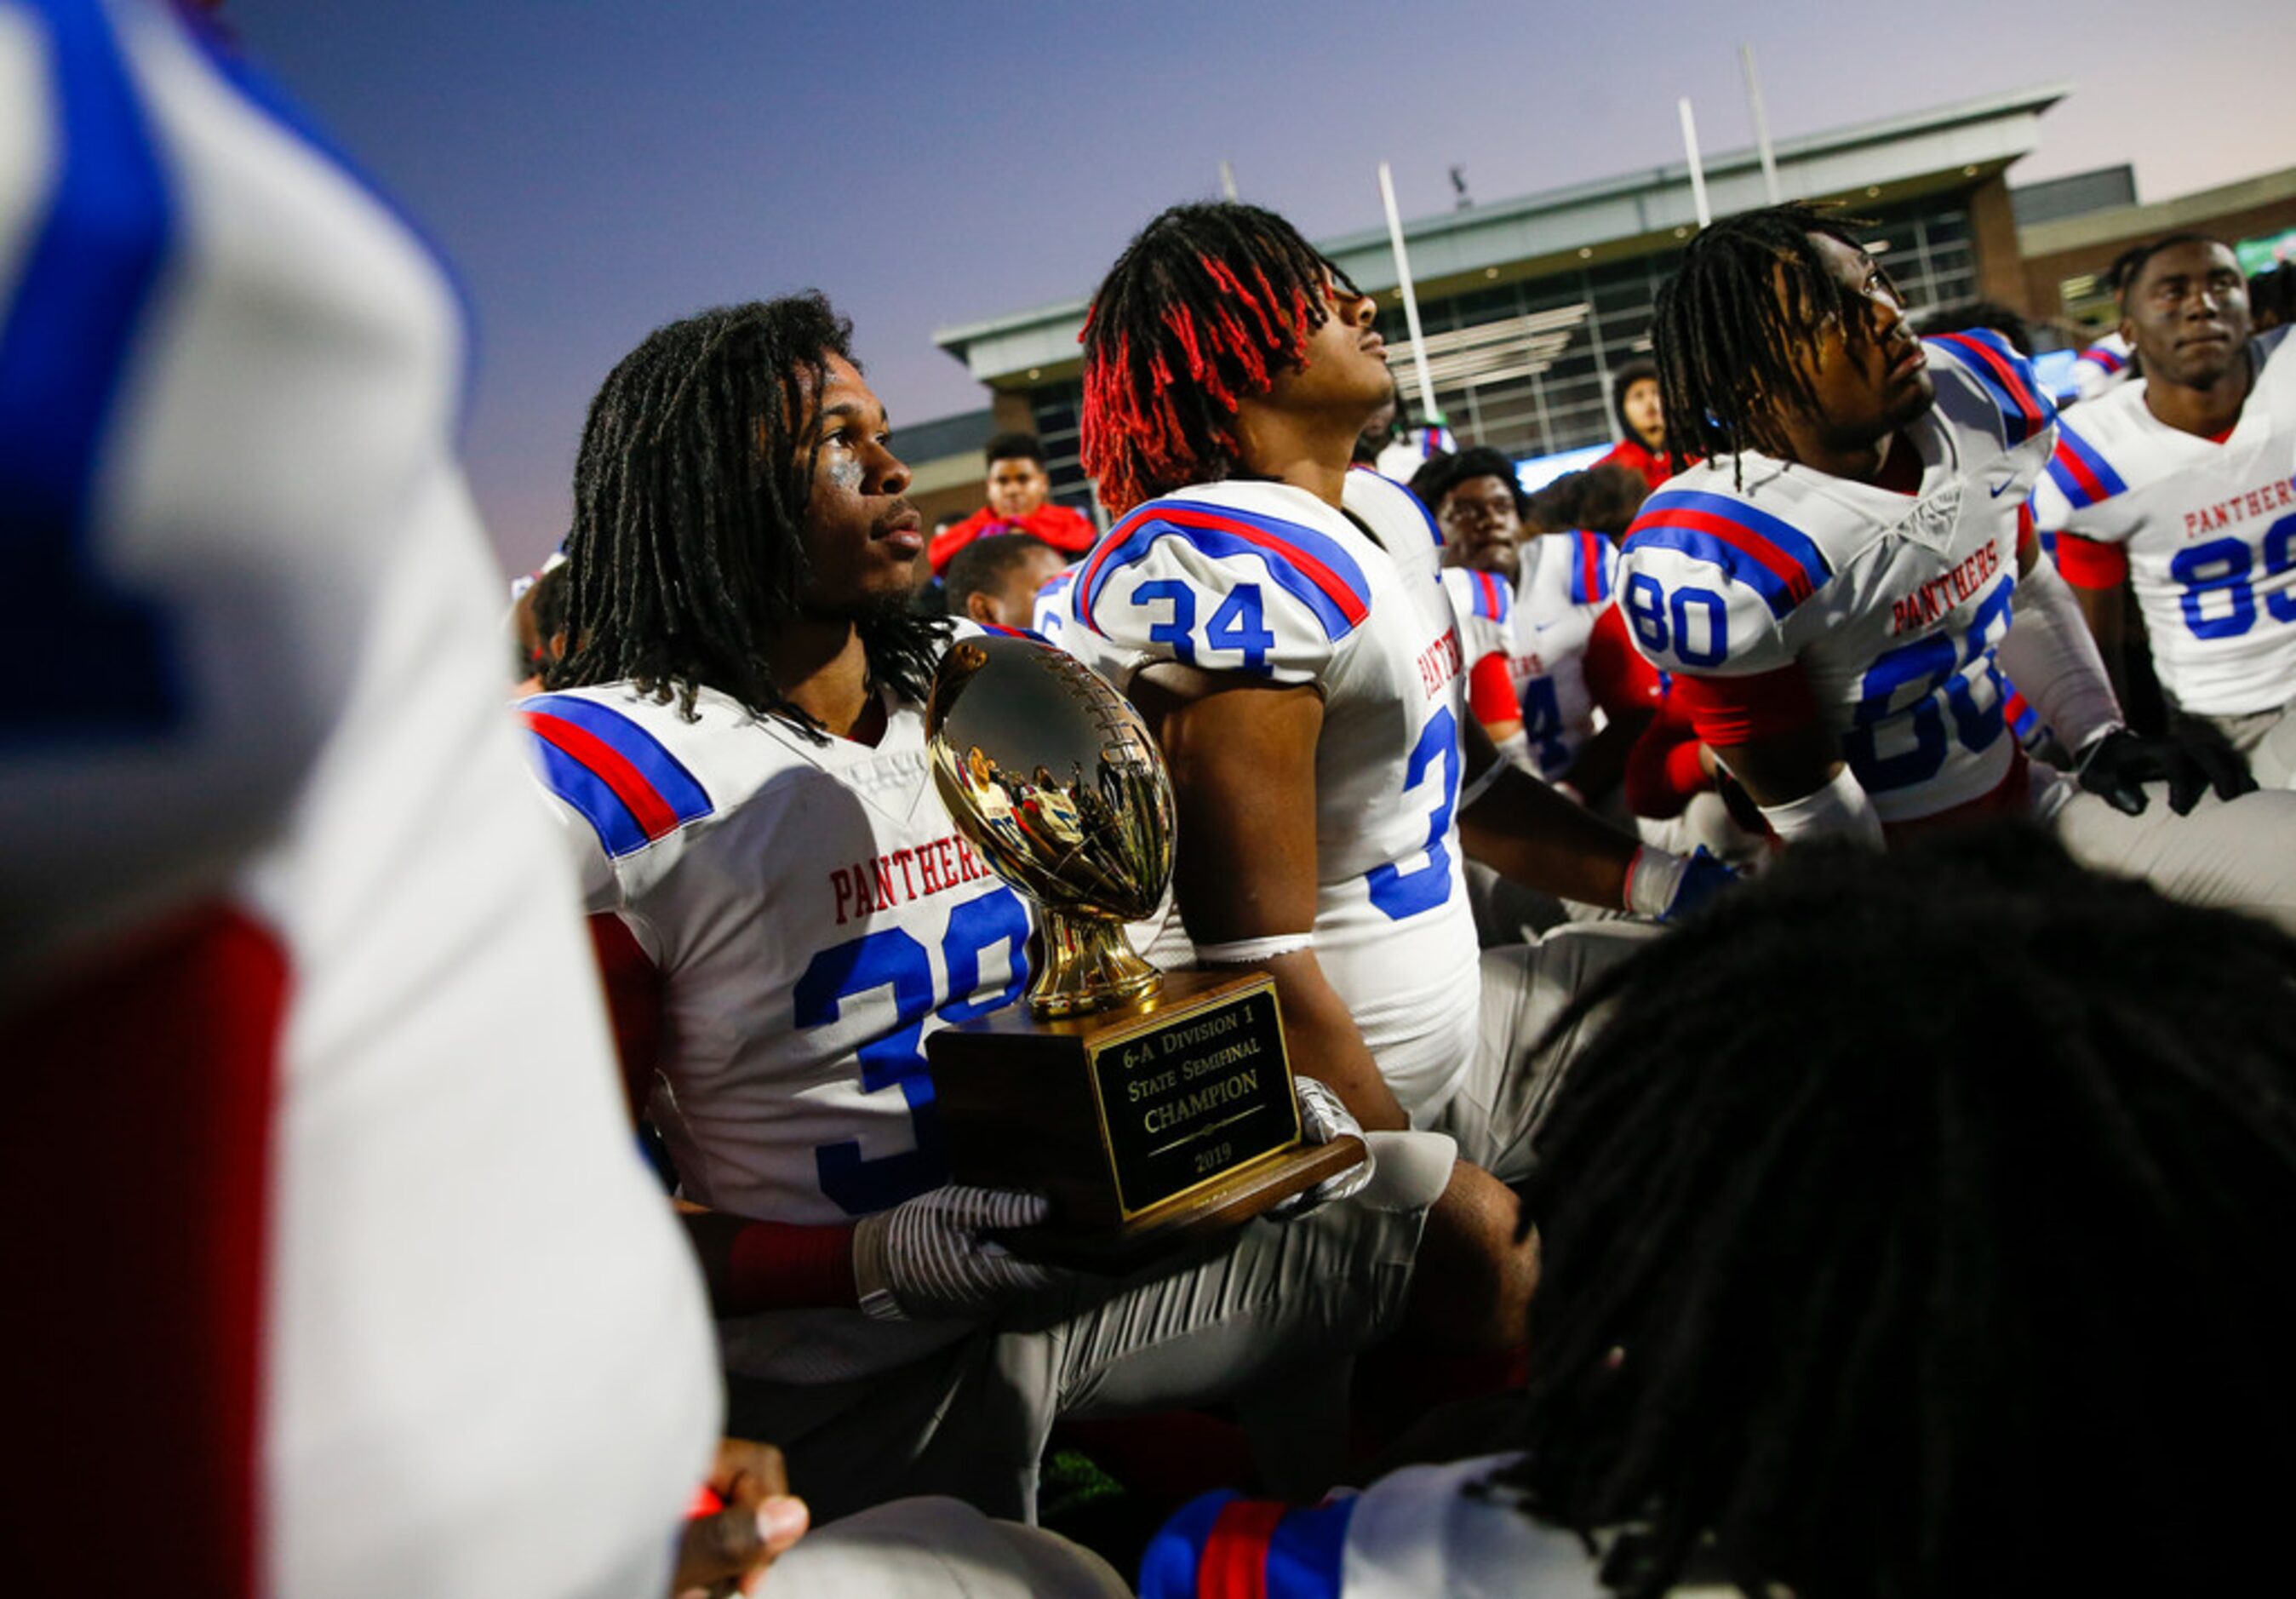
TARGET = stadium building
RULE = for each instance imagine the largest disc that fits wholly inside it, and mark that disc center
(1528, 305)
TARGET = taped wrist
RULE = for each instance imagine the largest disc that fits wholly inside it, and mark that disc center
(2054, 662)
(1244, 952)
(1838, 810)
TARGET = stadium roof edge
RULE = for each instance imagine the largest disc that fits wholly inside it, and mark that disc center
(2155, 217)
(1641, 210)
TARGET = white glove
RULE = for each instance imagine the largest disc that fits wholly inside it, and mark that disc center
(1322, 1118)
(932, 1256)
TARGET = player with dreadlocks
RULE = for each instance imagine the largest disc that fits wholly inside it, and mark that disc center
(1860, 1285)
(1839, 587)
(1279, 620)
(785, 910)
(700, 455)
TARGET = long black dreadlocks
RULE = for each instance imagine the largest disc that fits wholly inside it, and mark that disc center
(1204, 309)
(690, 488)
(1750, 291)
(1918, 1227)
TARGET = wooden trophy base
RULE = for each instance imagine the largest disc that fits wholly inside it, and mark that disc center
(1153, 1127)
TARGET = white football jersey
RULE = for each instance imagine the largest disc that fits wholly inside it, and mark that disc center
(2102, 367)
(1049, 617)
(2209, 529)
(1564, 583)
(1892, 604)
(359, 1255)
(1421, 1531)
(1266, 579)
(1484, 607)
(814, 915)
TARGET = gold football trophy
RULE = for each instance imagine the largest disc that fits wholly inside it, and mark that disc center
(1155, 1108)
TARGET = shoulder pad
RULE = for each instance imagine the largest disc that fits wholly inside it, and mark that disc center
(621, 778)
(1480, 594)
(1594, 560)
(2077, 474)
(1706, 581)
(1377, 498)
(1752, 547)
(2001, 378)
(1222, 587)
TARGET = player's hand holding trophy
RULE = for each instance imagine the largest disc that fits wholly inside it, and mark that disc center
(1154, 1109)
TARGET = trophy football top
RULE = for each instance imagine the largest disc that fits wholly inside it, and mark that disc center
(1053, 777)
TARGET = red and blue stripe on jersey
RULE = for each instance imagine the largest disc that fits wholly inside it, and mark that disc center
(1590, 567)
(623, 780)
(1768, 555)
(2105, 359)
(2082, 475)
(1310, 566)
(1222, 1546)
(2006, 378)
(1492, 600)
(83, 297)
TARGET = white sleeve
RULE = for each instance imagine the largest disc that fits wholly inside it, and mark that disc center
(1225, 590)
(211, 442)
(1699, 607)
(2049, 654)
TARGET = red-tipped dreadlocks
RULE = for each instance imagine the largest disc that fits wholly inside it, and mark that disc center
(1205, 307)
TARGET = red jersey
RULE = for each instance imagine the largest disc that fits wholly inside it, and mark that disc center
(1630, 454)
(1066, 530)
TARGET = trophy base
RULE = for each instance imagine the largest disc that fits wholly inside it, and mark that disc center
(1191, 1221)
(1153, 1127)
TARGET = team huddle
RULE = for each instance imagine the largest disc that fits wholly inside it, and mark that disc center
(1756, 1188)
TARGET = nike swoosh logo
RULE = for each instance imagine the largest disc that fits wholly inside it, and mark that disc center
(1998, 493)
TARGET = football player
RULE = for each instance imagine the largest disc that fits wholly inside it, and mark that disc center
(1834, 587)
(333, 1268)
(735, 744)
(995, 580)
(1562, 658)
(1049, 612)
(2183, 487)
(1479, 508)
(1280, 621)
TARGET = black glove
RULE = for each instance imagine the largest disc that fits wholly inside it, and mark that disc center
(2116, 767)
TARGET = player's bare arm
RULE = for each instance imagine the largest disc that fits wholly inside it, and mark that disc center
(1520, 827)
(1602, 763)
(1242, 761)
(1784, 767)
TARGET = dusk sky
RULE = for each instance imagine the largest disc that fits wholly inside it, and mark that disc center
(593, 169)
